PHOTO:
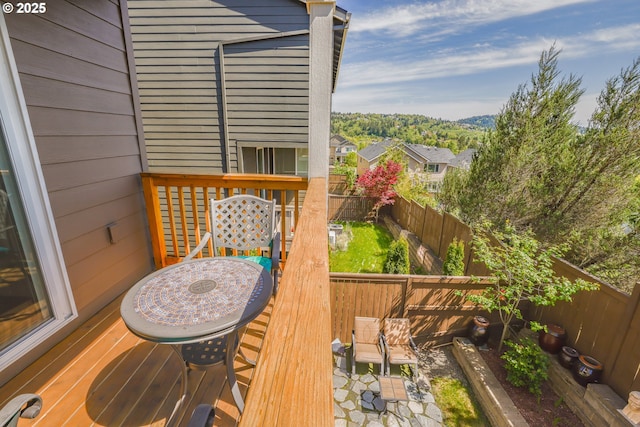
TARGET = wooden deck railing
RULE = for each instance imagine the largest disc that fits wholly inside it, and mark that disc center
(178, 207)
(292, 383)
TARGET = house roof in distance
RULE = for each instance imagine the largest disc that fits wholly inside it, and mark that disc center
(463, 159)
(432, 154)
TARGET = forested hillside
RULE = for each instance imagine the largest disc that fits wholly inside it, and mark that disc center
(412, 128)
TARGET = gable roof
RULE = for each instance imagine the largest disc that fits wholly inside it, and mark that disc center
(340, 141)
(374, 150)
(464, 158)
(432, 154)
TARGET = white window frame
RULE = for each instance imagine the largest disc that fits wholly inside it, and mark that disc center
(26, 163)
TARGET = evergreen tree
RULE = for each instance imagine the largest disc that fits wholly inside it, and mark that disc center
(537, 170)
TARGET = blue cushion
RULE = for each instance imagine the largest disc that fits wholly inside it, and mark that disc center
(263, 261)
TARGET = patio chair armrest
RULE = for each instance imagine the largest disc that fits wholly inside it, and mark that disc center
(413, 344)
(275, 251)
(198, 248)
(16, 408)
(384, 347)
(202, 416)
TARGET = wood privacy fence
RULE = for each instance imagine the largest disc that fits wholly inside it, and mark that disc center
(432, 303)
(349, 208)
(604, 324)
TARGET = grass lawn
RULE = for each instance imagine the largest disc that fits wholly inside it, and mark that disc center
(367, 251)
(459, 408)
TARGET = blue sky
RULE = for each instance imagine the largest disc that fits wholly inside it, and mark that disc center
(452, 59)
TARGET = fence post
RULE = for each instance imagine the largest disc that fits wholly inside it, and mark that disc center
(403, 297)
(633, 305)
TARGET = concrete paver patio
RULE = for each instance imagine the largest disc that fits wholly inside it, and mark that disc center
(350, 410)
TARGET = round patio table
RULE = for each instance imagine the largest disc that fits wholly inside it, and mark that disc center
(198, 300)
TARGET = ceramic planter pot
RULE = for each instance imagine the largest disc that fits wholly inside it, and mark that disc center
(568, 356)
(553, 339)
(587, 370)
(479, 330)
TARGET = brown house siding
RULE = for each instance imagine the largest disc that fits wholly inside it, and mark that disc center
(72, 63)
(217, 74)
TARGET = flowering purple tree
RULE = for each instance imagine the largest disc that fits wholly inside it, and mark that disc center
(378, 184)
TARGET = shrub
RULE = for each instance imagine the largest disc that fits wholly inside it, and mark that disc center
(398, 257)
(454, 260)
(526, 364)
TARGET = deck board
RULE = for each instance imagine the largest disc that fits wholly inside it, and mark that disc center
(102, 375)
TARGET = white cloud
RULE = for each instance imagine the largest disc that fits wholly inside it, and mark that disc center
(449, 16)
(484, 58)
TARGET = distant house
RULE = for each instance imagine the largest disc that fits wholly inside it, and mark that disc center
(369, 156)
(339, 147)
(425, 163)
(225, 84)
(463, 159)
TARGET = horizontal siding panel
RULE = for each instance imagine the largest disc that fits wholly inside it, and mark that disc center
(43, 92)
(180, 105)
(175, 76)
(269, 77)
(62, 176)
(219, 32)
(282, 122)
(178, 121)
(78, 223)
(282, 108)
(105, 10)
(303, 100)
(302, 136)
(180, 147)
(80, 21)
(151, 114)
(243, 114)
(228, 11)
(97, 240)
(60, 149)
(45, 63)
(35, 31)
(176, 136)
(177, 61)
(244, 61)
(191, 163)
(139, 53)
(49, 121)
(267, 69)
(187, 71)
(285, 46)
(267, 92)
(196, 155)
(176, 92)
(70, 200)
(177, 84)
(173, 102)
(90, 266)
(183, 128)
(92, 295)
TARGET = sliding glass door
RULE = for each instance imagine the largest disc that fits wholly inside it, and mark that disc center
(24, 301)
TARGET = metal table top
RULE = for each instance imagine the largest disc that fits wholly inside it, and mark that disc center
(196, 299)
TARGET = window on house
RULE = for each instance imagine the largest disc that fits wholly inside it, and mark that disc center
(275, 160)
(432, 168)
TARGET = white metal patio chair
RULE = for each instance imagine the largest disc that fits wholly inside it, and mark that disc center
(22, 406)
(245, 223)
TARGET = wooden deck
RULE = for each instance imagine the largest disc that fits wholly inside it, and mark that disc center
(103, 375)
